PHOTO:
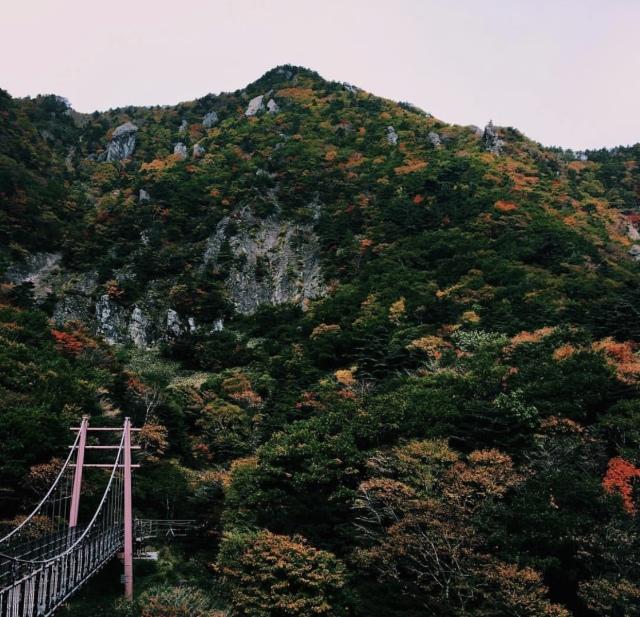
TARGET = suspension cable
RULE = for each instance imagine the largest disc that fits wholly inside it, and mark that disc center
(88, 528)
(46, 497)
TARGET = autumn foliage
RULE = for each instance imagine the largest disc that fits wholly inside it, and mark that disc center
(73, 340)
(622, 357)
(272, 574)
(619, 480)
(505, 206)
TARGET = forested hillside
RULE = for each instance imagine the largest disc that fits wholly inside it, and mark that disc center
(391, 363)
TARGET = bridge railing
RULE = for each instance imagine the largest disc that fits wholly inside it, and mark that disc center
(163, 528)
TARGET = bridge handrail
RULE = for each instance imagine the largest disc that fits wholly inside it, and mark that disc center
(71, 548)
(47, 495)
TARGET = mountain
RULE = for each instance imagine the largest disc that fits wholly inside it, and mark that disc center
(389, 360)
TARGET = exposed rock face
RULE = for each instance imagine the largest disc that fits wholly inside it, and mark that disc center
(198, 151)
(76, 302)
(122, 144)
(632, 232)
(146, 324)
(174, 326)
(272, 107)
(392, 136)
(210, 120)
(143, 196)
(180, 150)
(492, 141)
(434, 139)
(38, 269)
(177, 325)
(183, 127)
(274, 261)
(634, 251)
(68, 160)
(110, 320)
(139, 329)
(255, 105)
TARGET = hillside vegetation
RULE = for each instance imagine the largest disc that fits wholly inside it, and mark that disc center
(390, 362)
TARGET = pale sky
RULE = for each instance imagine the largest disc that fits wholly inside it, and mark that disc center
(565, 72)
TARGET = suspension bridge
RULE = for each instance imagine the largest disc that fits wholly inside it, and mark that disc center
(49, 555)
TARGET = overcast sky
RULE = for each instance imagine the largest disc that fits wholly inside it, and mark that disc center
(566, 72)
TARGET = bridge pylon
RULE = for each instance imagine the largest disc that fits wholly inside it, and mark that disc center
(127, 480)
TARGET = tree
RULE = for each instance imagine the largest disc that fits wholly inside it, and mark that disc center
(271, 575)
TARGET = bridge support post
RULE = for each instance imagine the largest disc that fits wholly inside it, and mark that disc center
(77, 475)
(128, 514)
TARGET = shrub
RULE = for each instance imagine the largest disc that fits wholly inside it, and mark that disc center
(275, 575)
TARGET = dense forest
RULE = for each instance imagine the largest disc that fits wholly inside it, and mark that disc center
(388, 362)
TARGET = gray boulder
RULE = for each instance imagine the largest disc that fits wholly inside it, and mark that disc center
(392, 136)
(255, 105)
(434, 139)
(180, 150)
(491, 139)
(198, 151)
(111, 320)
(122, 144)
(139, 329)
(272, 107)
(174, 323)
(210, 120)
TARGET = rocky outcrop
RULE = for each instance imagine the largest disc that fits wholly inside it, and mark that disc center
(140, 329)
(143, 196)
(491, 139)
(198, 151)
(147, 323)
(68, 160)
(392, 136)
(174, 327)
(255, 105)
(634, 251)
(183, 127)
(38, 269)
(210, 120)
(274, 261)
(272, 107)
(434, 139)
(75, 301)
(180, 150)
(111, 320)
(122, 144)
